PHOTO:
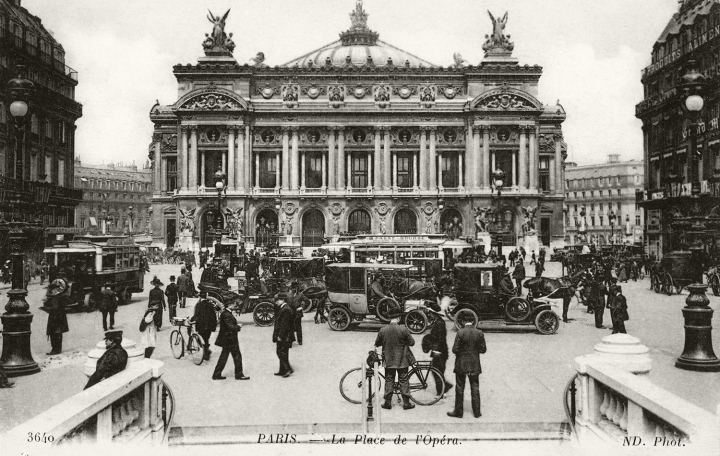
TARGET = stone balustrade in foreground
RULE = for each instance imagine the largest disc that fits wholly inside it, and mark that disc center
(131, 407)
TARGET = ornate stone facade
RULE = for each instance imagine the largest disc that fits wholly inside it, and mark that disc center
(333, 143)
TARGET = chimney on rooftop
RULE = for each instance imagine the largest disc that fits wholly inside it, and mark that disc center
(614, 158)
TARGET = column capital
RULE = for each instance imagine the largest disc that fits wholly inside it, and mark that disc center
(558, 137)
(157, 137)
(184, 128)
(286, 128)
(294, 129)
(192, 128)
(334, 128)
(525, 128)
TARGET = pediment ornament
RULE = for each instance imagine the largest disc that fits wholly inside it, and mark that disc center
(211, 102)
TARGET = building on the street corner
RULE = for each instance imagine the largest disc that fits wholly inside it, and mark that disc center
(358, 136)
(606, 194)
(692, 34)
(36, 155)
(117, 194)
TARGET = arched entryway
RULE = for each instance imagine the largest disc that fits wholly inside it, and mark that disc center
(359, 222)
(405, 222)
(211, 219)
(313, 228)
(451, 223)
(266, 227)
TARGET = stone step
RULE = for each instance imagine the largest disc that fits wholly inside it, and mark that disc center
(326, 433)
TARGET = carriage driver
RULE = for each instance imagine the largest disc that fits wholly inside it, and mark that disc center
(378, 287)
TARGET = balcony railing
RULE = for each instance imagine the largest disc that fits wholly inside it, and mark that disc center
(313, 191)
(451, 190)
(23, 191)
(360, 191)
(266, 191)
(405, 191)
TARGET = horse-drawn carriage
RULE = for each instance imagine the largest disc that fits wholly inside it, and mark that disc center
(351, 300)
(307, 272)
(674, 272)
(485, 292)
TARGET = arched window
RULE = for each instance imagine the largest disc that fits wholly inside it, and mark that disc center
(451, 223)
(405, 222)
(359, 222)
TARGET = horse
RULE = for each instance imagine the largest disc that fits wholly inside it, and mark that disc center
(555, 288)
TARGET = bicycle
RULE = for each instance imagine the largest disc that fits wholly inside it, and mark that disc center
(425, 381)
(195, 345)
(713, 279)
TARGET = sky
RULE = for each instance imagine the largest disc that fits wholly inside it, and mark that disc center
(591, 52)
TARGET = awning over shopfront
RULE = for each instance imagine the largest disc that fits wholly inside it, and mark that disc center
(93, 221)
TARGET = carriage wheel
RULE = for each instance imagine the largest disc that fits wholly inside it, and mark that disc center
(382, 310)
(264, 314)
(547, 322)
(668, 284)
(715, 284)
(308, 305)
(416, 321)
(339, 319)
(517, 309)
(465, 315)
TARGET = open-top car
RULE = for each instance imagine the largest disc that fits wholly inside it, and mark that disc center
(351, 299)
(485, 293)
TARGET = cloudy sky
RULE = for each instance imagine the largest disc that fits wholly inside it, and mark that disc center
(591, 51)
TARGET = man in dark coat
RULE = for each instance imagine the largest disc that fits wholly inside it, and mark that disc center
(171, 291)
(205, 320)
(396, 341)
(618, 310)
(436, 344)
(57, 323)
(296, 299)
(600, 290)
(112, 361)
(469, 344)
(157, 298)
(109, 305)
(228, 339)
(519, 275)
(284, 333)
(182, 284)
(539, 268)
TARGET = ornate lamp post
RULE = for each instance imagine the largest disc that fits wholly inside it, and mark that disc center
(131, 215)
(499, 182)
(612, 217)
(16, 356)
(220, 179)
(698, 354)
(582, 230)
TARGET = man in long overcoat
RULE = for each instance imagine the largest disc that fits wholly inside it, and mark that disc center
(284, 334)
(114, 359)
(519, 275)
(396, 341)
(57, 323)
(469, 344)
(228, 339)
(108, 306)
(205, 320)
(437, 345)
(182, 284)
(296, 300)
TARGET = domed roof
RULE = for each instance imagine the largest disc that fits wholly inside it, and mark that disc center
(359, 46)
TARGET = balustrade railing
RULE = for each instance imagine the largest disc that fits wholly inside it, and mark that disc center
(132, 407)
(617, 407)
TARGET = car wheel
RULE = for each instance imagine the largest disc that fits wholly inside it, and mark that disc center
(382, 310)
(547, 322)
(264, 314)
(517, 309)
(416, 321)
(668, 284)
(339, 319)
(464, 315)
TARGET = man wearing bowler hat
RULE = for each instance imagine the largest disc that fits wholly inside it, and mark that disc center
(228, 339)
(284, 333)
(469, 344)
(112, 361)
(108, 305)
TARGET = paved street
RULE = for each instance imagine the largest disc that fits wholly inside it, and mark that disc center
(524, 374)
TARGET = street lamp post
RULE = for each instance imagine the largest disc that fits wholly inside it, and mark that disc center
(582, 230)
(698, 354)
(499, 181)
(612, 218)
(131, 215)
(221, 187)
(16, 356)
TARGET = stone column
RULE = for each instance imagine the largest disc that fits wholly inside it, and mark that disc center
(523, 165)
(551, 166)
(232, 184)
(247, 152)
(514, 169)
(302, 171)
(242, 166)
(285, 158)
(193, 171)
(349, 171)
(183, 158)
(492, 162)
(202, 169)
(341, 159)
(485, 178)
(415, 171)
(278, 177)
(394, 171)
(559, 179)
(461, 175)
(423, 161)
(378, 183)
(534, 162)
(369, 170)
(324, 171)
(294, 160)
(158, 187)
(433, 160)
(387, 160)
(332, 177)
(469, 158)
(163, 175)
(257, 171)
(477, 178)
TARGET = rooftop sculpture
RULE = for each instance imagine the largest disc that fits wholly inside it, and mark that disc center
(218, 43)
(498, 43)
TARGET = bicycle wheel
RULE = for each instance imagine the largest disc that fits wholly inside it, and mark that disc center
(177, 344)
(351, 385)
(427, 385)
(196, 349)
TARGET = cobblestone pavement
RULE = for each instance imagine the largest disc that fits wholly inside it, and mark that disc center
(524, 374)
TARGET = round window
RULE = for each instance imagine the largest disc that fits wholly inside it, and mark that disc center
(450, 136)
(268, 136)
(359, 136)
